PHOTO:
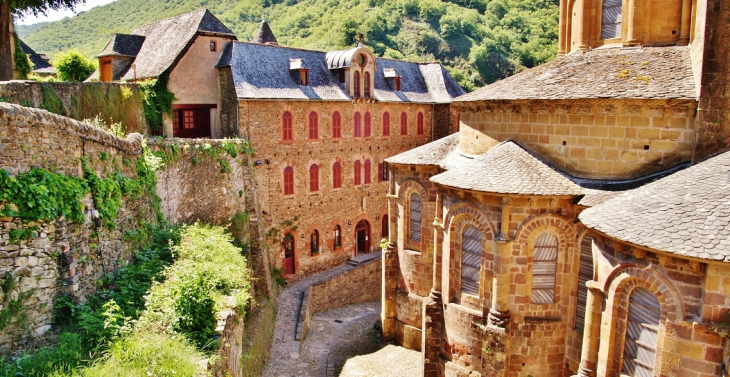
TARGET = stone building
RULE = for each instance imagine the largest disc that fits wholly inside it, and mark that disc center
(509, 278)
(321, 124)
(183, 50)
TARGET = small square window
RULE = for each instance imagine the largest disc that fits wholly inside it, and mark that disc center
(212, 46)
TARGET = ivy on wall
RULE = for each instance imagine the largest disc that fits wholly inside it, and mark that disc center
(156, 101)
(42, 195)
(22, 63)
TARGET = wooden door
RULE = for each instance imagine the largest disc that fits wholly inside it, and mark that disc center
(191, 122)
(288, 255)
(362, 235)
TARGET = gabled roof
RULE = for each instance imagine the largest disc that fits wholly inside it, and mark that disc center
(687, 213)
(40, 63)
(264, 34)
(123, 45)
(167, 39)
(636, 73)
(262, 72)
(433, 153)
(508, 169)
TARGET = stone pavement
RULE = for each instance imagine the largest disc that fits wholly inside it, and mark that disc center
(334, 338)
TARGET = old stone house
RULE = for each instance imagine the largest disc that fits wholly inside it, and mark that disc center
(182, 49)
(532, 243)
(321, 124)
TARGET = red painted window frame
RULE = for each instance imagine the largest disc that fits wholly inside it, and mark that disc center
(314, 178)
(396, 84)
(287, 128)
(368, 172)
(404, 124)
(419, 122)
(356, 125)
(288, 180)
(366, 84)
(336, 125)
(368, 122)
(336, 175)
(356, 84)
(313, 126)
(386, 124)
(357, 172)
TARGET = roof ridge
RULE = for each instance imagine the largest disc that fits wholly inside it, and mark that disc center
(172, 17)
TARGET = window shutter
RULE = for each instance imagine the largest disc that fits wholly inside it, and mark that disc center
(611, 21)
(544, 268)
(471, 259)
(415, 217)
(642, 326)
(584, 275)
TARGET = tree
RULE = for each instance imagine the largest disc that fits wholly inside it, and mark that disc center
(73, 66)
(8, 8)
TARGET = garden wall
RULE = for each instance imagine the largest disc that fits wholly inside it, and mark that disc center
(113, 102)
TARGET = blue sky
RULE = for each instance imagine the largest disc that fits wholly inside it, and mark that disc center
(58, 15)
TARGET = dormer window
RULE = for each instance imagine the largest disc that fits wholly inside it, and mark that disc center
(302, 70)
(391, 74)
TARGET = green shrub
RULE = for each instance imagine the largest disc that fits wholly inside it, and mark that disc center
(42, 195)
(62, 359)
(22, 64)
(73, 66)
(145, 354)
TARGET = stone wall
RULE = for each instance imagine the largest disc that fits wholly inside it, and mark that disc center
(81, 100)
(594, 139)
(305, 211)
(63, 257)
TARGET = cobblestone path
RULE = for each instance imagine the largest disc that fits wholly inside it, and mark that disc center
(342, 340)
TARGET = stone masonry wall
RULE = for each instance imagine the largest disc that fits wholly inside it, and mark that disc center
(62, 257)
(305, 211)
(113, 102)
(594, 139)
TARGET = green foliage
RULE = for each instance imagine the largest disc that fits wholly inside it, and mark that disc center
(22, 234)
(156, 100)
(50, 100)
(12, 302)
(42, 195)
(522, 32)
(107, 194)
(59, 360)
(225, 166)
(73, 66)
(22, 64)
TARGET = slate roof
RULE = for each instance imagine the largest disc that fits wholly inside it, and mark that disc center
(649, 72)
(40, 63)
(166, 39)
(433, 153)
(507, 169)
(687, 213)
(123, 45)
(595, 197)
(264, 34)
(262, 72)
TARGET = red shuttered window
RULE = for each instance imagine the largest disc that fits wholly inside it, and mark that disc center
(419, 129)
(403, 124)
(336, 125)
(288, 181)
(336, 175)
(356, 170)
(286, 126)
(314, 178)
(386, 124)
(368, 122)
(313, 126)
(367, 168)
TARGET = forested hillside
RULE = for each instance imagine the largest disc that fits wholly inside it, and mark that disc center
(480, 41)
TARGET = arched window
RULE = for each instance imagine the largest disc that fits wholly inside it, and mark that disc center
(585, 273)
(366, 84)
(286, 126)
(337, 240)
(403, 123)
(356, 84)
(336, 175)
(313, 126)
(642, 326)
(356, 170)
(336, 125)
(385, 226)
(544, 269)
(314, 242)
(288, 180)
(386, 124)
(419, 119)
(368, 121)
(471, 259)
(367, 166)
(356, 124)
(611, 19)
(314, 178)
(415, 217)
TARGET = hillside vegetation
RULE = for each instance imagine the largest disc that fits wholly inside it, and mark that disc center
(480, 41)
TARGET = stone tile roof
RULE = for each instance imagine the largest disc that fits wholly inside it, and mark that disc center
(166, 40)
(508, 169)
(595, 197)
(123, 45)
(687, 213)
(40, 64)
(264, 34)
(433, 153)
(262, 72)
(650, 72)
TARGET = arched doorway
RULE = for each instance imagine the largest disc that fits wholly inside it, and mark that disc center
(288, 245)
(362, 237)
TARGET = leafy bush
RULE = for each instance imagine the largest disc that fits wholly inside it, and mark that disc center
(59, 360)
(73, 66)
(22, 64)
(115, 129)
(42, 195)
(145, 354)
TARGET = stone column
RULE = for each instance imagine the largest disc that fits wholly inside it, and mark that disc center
(499, 312)
(632, 25)
(433, 316)
(686, 22)
(581, 27)
(591, 331)
(390, 267)
(561, 28)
